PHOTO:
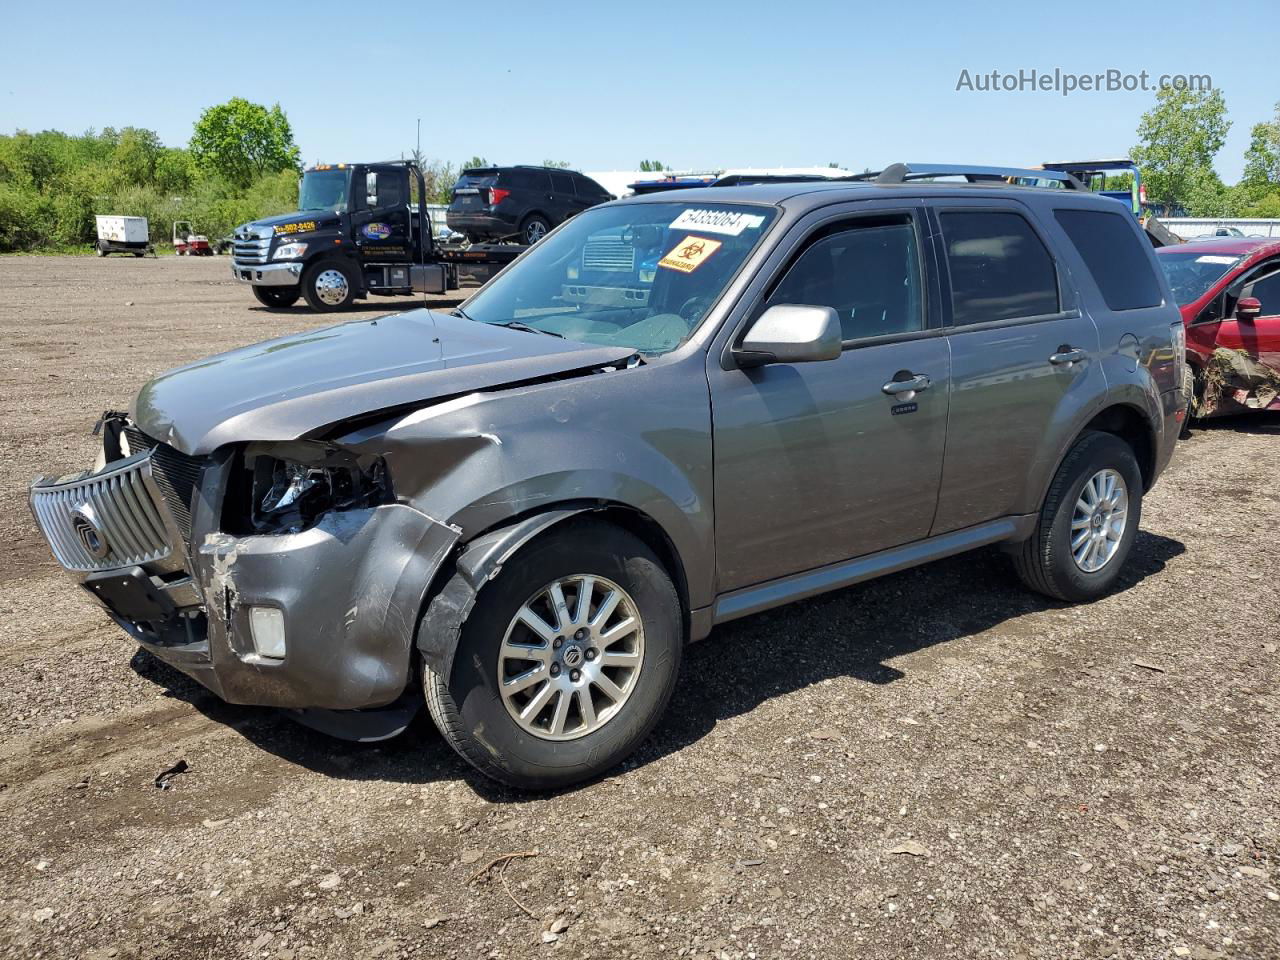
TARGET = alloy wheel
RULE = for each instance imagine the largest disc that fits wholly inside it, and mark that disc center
(1098, 522)
(571, 657)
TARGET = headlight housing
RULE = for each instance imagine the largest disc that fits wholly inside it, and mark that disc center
(291, 486)
(289, 251)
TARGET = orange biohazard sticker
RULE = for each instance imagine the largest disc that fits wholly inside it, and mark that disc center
(689, 254)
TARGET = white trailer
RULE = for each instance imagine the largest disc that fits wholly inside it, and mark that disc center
(123, 235)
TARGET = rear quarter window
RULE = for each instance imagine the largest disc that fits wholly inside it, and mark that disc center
(1114, 254)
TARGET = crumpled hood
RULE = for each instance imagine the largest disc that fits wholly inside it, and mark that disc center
(294, 386)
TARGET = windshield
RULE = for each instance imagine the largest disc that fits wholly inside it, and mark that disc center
(1191, 274)
(639, 275)
(323, 190)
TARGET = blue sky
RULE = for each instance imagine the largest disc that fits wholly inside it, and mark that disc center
(604, 85)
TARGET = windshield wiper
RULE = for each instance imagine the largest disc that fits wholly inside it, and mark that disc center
(521, 325)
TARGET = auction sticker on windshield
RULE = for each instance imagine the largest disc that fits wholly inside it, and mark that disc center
(727, 222)
(689, 254)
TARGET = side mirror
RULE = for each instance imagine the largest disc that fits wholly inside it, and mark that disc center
(790, 333)
(1248, 309)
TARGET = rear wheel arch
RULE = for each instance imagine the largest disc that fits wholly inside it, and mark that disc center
(1132, 425)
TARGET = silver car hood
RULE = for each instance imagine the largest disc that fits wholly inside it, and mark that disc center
(298, 385)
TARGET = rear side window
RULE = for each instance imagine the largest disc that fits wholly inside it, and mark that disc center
(563, 183)
(870, 276)
(526, 179)
(1113, 253)
(999, 268)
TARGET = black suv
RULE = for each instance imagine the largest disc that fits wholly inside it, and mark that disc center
(522, 203)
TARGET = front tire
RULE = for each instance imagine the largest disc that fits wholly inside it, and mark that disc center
(1088, 522)
(329, 285)
(566, 662)
(277, 298)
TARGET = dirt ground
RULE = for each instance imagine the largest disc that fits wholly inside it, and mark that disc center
(936, 764)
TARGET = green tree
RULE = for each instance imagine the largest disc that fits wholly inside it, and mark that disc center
(1180, 136)
(243, 141)
(1262, 159)
(653, 166)
(558, 164)
(476, 161)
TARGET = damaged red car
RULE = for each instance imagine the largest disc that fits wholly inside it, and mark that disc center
(1229, 293)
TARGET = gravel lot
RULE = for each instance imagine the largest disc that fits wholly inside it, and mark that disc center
(936, 764)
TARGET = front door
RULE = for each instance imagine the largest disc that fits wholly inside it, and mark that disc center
(820, 462)
(382, 221)
(1259, 337)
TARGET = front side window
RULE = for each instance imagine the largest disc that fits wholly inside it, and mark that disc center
(1267, 290)
(869, 274)
(641, 275)
(1112, 250)
(999, 268)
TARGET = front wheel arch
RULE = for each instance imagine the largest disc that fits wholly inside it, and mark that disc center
(450, 596)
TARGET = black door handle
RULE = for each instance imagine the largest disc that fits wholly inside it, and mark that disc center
(911, 385)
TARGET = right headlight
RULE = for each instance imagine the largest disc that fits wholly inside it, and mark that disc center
(291, 486)
(289, 251)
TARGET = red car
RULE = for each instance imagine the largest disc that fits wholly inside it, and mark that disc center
(1229, 292)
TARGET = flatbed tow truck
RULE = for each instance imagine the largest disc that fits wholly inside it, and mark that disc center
(355, 234)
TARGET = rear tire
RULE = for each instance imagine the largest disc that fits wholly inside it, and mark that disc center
(1049, 561)
(549, 748)
(1189, 393)
(329, 285)
(277, 298)
(534, 227)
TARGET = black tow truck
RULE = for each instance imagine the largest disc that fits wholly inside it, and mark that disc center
(356, 233)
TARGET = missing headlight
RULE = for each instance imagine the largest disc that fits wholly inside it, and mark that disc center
(290, 486)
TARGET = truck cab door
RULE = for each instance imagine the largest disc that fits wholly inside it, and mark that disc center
(381, 224)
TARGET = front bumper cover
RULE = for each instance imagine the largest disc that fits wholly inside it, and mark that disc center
(350, 588)
(287, 274)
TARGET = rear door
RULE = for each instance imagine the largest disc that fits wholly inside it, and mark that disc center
(820, 462)
(1024, 358)
(564, 196)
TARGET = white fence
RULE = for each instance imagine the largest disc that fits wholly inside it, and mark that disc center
(1188, 227)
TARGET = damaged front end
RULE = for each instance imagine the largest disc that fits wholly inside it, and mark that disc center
(1235, 381)
(280, 574)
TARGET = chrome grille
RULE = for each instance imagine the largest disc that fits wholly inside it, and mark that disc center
(609, 253)
(250, 249)
(114, 518)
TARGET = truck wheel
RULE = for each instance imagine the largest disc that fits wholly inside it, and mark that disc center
(1088, 523)
(277, 298)
(566, 661)
(329, 285)
(534, 228)
(99, 250)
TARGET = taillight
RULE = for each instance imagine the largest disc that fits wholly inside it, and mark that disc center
(497, 195)
(1142, 193)
(1179, 332)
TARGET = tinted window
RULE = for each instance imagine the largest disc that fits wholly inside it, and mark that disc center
(869, 275)
(526, 179)
(999, 268)
(1267, 290)
(589, 189)
(563, 183)
(1114, 254)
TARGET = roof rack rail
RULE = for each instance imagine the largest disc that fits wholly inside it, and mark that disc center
(904, 172)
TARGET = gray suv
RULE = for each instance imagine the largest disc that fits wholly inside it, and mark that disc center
(523, 509)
